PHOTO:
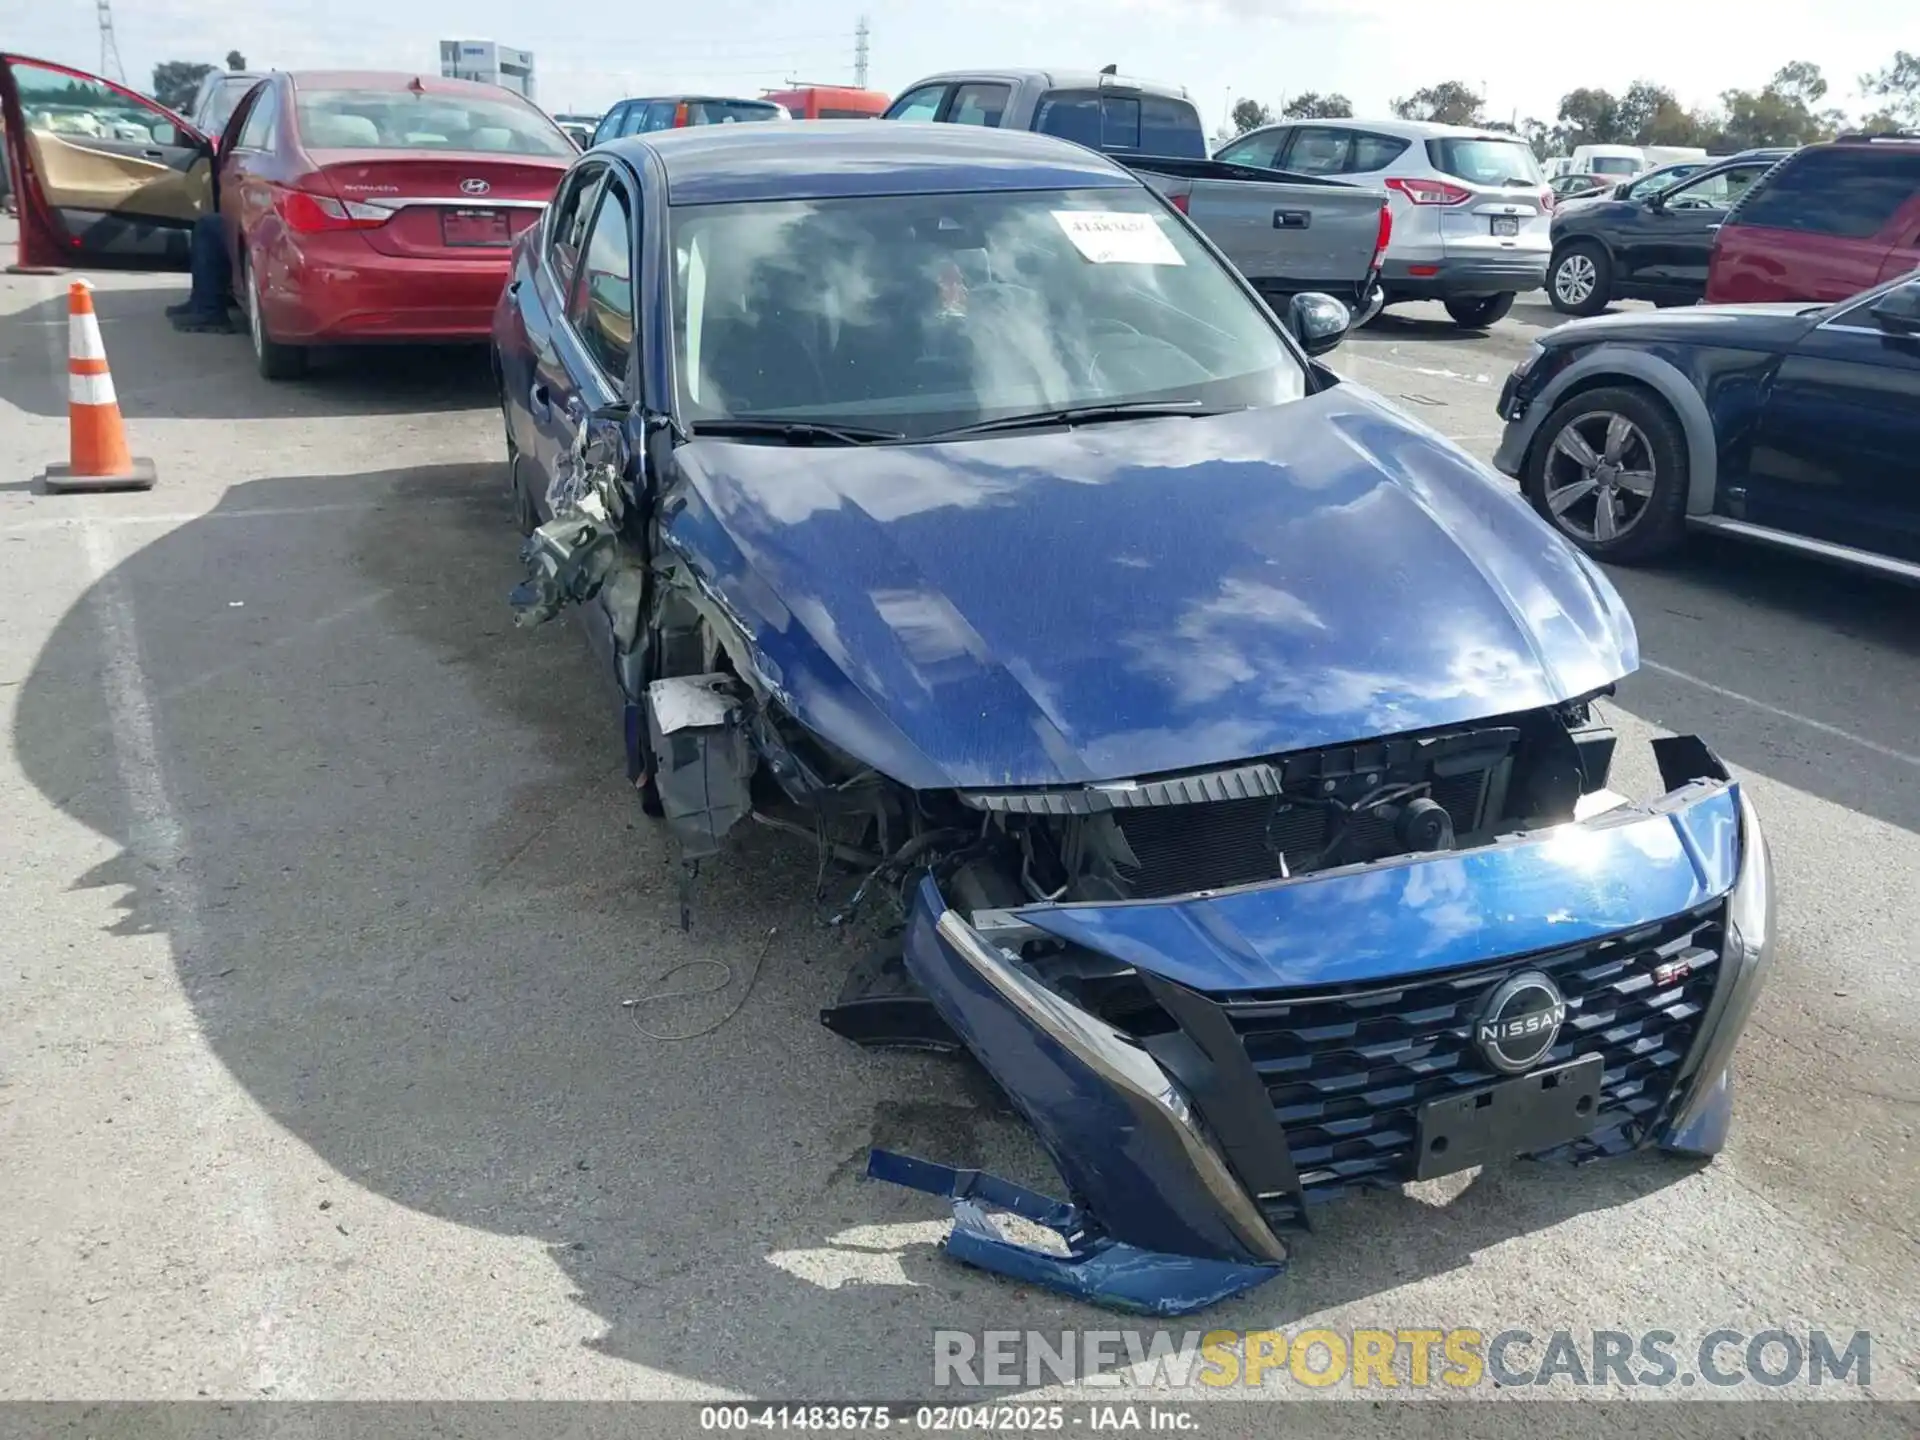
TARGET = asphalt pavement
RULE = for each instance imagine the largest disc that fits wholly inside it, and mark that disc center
(324, 899)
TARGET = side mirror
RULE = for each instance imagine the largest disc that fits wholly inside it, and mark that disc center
(1898, 311)
(1319, 322)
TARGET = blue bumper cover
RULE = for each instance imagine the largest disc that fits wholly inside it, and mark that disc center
(1169, 1213)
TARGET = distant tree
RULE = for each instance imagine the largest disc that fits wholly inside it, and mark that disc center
(1899, 87)
(1451, 102)
(174, 82)
(1315, 106)
(1250, 115)
(1782, 112)
(1589, 117)
(235, 60)
(1800, 80)
(1539, 135)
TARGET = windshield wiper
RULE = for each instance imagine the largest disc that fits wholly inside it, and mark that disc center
(794, 432)
(1087, 414)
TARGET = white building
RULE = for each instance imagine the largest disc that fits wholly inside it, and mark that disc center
(489, 63)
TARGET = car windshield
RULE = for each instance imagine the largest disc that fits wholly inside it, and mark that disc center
(917, 314)
(416, 120)
(1486, 162)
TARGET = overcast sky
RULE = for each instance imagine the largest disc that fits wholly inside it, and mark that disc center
(587, 53)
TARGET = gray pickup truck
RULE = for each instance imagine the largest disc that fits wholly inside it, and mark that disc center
(1286, 233)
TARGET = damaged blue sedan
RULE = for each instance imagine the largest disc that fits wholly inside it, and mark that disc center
(1225, 738)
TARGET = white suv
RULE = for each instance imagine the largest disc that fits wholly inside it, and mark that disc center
(1471, 208)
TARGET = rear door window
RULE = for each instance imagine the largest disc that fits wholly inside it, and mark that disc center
(979, 105)
(1317, 150)
(1843, 190)
(1374, 152)
(921, 104)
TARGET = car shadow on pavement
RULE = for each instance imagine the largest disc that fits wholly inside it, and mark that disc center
(409, 894)
(1756, 649)
(160, 373)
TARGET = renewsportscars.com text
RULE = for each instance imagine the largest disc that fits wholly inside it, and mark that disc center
(1410, 1359)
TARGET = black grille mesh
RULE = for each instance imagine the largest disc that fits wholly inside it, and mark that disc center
(1346, 1070)
(1233, 842)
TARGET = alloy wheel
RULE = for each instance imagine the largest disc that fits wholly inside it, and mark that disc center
(1574, 280)
(1600, 475)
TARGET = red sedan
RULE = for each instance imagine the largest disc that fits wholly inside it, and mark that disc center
(358, 206)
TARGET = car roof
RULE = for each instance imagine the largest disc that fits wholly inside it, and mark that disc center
(1399, 129)
(395, 80)
(1057, 80)
(712, 164)
(696, 96)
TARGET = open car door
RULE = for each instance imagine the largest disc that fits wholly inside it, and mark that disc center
(102, 176)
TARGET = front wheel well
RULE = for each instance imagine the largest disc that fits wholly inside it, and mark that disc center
(1601, 380)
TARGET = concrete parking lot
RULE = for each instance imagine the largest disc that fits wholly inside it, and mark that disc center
(323, 896)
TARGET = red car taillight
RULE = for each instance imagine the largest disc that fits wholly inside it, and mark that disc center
(1430, 192)
(1384, 236)
(310, 214)
(1546, 199)
(1179, 203)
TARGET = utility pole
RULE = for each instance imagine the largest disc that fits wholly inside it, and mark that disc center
(861, 33)
(110, 65)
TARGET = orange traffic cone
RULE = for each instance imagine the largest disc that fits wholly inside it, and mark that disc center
(96, 435)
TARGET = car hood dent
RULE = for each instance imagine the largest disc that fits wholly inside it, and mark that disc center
(1145, 597)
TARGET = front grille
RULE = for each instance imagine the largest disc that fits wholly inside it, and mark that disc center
(1182, 848)
(1346, 1070)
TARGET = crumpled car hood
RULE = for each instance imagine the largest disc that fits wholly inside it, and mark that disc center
(1144, 597)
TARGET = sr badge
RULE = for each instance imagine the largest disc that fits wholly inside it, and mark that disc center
(1520, 1022)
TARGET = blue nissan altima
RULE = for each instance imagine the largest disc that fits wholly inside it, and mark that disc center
(1224, 738)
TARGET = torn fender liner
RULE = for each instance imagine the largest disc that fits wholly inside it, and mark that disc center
(1090, 1265)
(703, 757)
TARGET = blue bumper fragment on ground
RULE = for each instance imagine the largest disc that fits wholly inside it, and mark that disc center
(1092, 1267)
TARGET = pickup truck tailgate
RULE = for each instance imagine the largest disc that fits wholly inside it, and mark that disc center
(1283, 236)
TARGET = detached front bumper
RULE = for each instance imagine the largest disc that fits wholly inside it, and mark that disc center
(1313, 1029)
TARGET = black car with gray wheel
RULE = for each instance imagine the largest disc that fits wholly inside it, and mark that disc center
(1793, 425)
(1651, 247)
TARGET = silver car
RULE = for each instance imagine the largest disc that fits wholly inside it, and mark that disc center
(1471, 208)
(218, 96)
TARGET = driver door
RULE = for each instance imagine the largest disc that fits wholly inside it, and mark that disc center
(1674, 242)
(102, 174)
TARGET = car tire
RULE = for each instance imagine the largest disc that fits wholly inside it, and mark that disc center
(1580, 279)
(1647, 516)
(1477, 312)
(273, 360)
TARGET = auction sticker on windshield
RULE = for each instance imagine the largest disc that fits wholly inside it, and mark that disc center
(1113, 237)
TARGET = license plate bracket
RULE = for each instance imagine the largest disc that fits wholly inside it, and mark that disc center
(475, 227)
(1529, 1112)
(1506, 225)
